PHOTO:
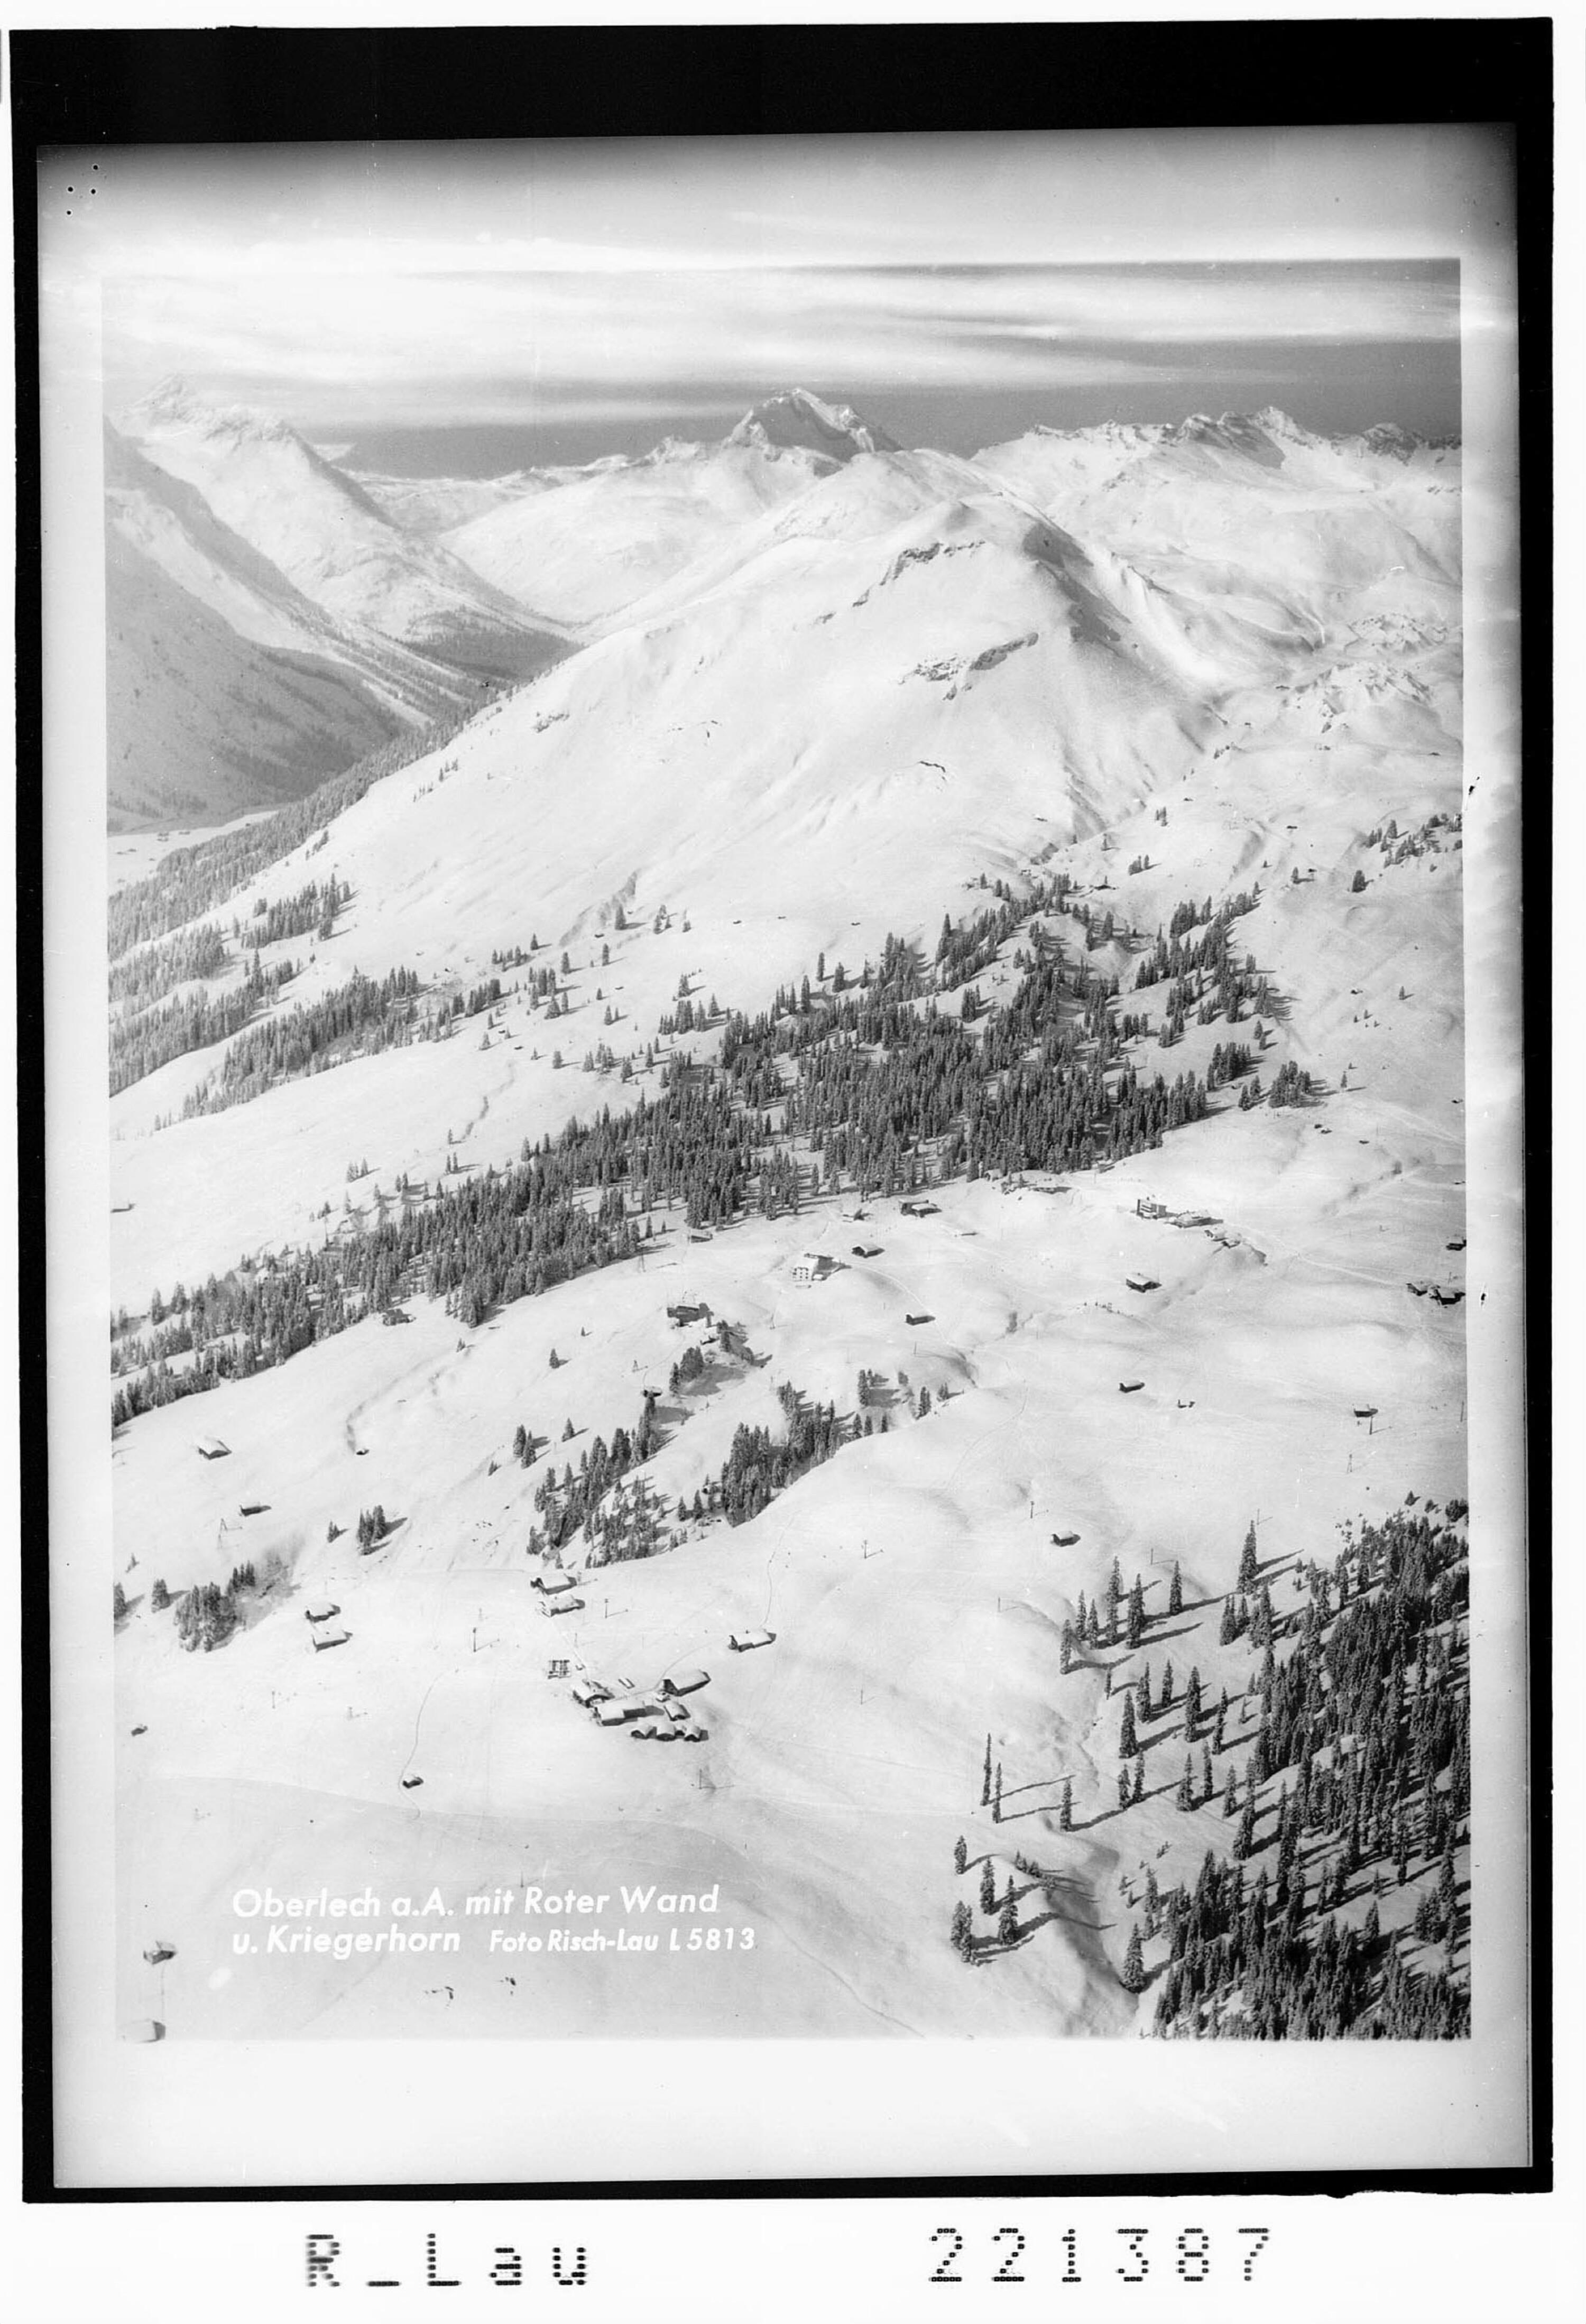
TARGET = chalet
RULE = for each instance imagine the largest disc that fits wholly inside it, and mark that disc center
(1129, 1388)
(1142, 1283)
(685, 1682)
(562, 1604)
(589, 1692)
(331, 1638)
(743, 1642)
(551, 1585)
(617, 1708)
(1064, 1540)
(921, 1209)
(212, 1448)
(813, 1267)
(320, 1609)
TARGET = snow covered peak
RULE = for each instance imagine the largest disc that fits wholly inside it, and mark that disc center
(174, 409)
(1274, 421)
(1236, 432)
(797, 421)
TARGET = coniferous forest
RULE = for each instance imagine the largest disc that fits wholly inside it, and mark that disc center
(874, 1085)
(1356, 1786)
(1334, 1793)
(194, 880)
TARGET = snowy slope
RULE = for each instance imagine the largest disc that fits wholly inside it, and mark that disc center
(891, 684)
(203, 723)
(327, 535)
(227, 686)
(585, 549)
(434, 504)
(825, 712)
(1258, 503)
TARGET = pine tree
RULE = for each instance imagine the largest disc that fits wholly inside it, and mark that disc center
(1244, 1843)
(1123, 1793)
(1114, 1593)
(1137, 1791)
(1192, 1704)
(569, 1431)
(960, 1853)
(996, 1795)
(988, 1888)
(986, 1777)
(1065, 1806)
(120, 1601)
(159, 1598)
(1208, 1782)
(1186, 1788)
(1249, 1571)
(1133, 1978)
(1447, 1887)
(1007, 1925)
(962, 1930)
(1127, 1743)
(1137, 1613)
(1175, 1591)
(1231, 1796)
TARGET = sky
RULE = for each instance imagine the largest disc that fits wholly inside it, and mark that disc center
(579, 297)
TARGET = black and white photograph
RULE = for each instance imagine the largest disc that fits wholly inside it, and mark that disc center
(795, 1140)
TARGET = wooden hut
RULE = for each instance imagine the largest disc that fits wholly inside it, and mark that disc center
(686, 1682)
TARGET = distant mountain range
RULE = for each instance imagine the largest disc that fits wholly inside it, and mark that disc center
(273, 616)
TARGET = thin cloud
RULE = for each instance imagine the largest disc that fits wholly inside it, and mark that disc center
(319, 335)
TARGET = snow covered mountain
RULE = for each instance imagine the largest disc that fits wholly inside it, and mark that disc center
(1308, 519)
(591, 542)
(228, 690)
(798, 422)
(268, 623)
(1100, 765)
(329, 537)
